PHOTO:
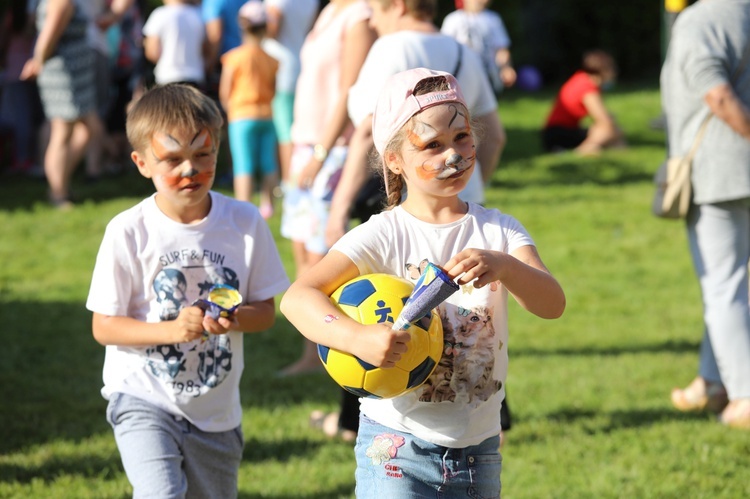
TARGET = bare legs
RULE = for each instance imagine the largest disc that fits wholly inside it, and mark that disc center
(243, 191)
(602, 136)
(308, 361)
(67, 144)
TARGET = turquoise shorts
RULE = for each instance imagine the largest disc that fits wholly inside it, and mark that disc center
(283, 113)
(253, 147)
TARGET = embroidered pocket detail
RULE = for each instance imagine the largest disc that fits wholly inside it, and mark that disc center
(384, 448)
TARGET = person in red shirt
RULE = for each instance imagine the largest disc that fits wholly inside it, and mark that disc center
(580, 97)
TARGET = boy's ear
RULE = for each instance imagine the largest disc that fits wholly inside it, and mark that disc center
(140, 163)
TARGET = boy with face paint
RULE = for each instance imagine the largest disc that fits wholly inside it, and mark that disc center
(172, 372)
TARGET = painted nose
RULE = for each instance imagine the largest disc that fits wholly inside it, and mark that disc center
(454, 160)
(188, 171)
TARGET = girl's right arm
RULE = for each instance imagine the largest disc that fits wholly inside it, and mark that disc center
(308, 307)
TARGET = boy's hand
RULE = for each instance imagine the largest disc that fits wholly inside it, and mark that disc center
(187, 327)
(483, 265)
(222, 325)
(380, 345)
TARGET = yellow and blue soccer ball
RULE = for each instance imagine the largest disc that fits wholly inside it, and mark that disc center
(378, 298)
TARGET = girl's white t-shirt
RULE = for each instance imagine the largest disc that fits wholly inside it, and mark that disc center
(459, 405)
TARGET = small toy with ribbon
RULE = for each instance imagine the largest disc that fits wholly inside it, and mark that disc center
(432, 289)
(222, 301)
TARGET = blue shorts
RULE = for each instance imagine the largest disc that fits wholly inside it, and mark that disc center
(167, 456)
(253, 147)
(283, 112)
(397, 464)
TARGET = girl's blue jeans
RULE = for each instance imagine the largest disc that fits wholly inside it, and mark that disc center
(396, 464)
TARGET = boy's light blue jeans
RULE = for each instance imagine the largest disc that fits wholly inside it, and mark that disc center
(395, 464)
(166, 456)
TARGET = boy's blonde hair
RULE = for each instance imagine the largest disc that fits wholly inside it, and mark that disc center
(167, 107)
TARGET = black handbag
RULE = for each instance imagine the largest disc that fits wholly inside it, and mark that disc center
(370, 199)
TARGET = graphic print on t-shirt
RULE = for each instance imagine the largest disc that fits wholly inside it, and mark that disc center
(465, 371)
(193, 368)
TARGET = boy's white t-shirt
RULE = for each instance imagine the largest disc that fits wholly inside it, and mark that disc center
(459, 405)
(403, 50)
(149, 267)
(181, 33)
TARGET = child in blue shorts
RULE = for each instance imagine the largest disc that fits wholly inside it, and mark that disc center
(246, 90)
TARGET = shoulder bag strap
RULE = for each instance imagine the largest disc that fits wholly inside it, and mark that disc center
(458, 61)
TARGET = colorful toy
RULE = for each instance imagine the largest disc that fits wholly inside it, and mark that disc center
(378, 298)
(222, 301)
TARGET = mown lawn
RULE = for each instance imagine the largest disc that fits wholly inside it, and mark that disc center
(589, 392)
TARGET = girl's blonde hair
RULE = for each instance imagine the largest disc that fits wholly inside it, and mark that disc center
(395, 181)
(168, 107)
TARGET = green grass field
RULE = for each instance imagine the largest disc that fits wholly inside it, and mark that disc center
(589, 392)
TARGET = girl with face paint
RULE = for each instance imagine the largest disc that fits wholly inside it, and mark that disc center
(443, 437)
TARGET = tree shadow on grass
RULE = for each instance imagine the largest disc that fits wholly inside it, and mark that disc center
(526, 144)
(569, 170)
(95, 467)
(671, 346)
(596, 422)
(23, 193)
(281, 450)
(51, 373)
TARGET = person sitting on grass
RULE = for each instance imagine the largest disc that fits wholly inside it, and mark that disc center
(581, 97)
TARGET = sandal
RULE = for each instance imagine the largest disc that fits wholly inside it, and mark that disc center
(736, 414)
(700, 395)
(328, 423)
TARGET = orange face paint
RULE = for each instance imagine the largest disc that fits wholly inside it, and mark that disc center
(179, 182)
(422, 133)
(201, 140)
(164, 146)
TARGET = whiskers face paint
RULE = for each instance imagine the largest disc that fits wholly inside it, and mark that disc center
(166, 148)
(180, 181)
(449, 122)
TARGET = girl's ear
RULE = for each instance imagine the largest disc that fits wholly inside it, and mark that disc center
(393, 161)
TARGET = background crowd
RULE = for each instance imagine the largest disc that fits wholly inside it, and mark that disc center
(295, 80)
